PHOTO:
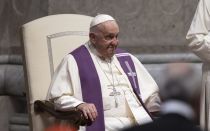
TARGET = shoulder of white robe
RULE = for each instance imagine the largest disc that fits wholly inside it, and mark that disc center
(207, 3)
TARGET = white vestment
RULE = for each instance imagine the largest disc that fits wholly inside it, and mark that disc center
(119, 111)
(199, 37)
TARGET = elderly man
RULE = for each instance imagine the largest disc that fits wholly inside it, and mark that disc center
(104, 81)
(199, 42)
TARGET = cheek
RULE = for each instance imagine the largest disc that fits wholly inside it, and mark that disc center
(107, 44)
(100, 46)
(103, 45)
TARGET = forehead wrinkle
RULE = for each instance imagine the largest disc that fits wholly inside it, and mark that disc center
(102, 27)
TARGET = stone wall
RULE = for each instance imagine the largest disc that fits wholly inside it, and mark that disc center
(14, 13)
(147, 26)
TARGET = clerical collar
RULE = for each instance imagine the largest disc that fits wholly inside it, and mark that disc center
(178, 107)
(94, 51)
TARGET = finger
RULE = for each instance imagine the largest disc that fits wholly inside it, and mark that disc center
(94, 112)
(93, 115)
(85, 114)
(90, 115)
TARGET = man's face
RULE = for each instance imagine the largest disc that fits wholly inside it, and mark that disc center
(106, 39)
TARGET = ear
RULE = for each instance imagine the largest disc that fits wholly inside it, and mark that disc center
(92, 37)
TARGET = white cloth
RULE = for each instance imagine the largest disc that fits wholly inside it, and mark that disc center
(178, 107)
(199, 42)
(65, 87)
(100, 19)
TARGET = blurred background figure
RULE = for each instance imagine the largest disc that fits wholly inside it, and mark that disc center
(180, 97)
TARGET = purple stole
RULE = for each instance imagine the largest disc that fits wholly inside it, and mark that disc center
(90, 83)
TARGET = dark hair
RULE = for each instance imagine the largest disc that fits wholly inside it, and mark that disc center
(180, 85)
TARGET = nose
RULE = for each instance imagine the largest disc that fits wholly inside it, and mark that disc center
(115, 41)
(115, 38)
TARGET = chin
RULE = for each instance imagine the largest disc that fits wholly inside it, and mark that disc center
(110, 55)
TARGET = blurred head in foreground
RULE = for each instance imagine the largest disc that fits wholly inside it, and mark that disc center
(182, 85)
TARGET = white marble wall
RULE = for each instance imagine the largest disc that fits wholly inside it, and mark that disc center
(14, 13)
(147, 26)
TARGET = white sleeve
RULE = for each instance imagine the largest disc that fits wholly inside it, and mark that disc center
(65, 85)
(199, 32)
(148, 87)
